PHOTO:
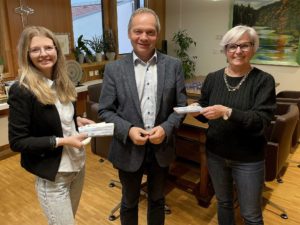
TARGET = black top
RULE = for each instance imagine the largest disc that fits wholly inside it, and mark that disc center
(242, 136)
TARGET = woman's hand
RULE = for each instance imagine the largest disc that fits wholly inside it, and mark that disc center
(81, 121)
(214, 112)
(194, 114)
(74, 140)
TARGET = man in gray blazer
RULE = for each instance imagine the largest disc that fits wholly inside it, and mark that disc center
(138, 94)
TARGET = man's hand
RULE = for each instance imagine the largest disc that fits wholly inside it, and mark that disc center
(157, 135)
(138, 135)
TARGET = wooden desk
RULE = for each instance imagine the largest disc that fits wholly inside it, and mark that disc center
(190, 145)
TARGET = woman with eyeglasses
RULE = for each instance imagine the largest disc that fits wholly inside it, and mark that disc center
(238, 103)
(43, 125)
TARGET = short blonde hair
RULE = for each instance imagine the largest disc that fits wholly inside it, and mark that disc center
(235, 33)
(142, 11)
(33, 79)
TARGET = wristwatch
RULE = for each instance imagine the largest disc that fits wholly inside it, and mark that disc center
(227, 114)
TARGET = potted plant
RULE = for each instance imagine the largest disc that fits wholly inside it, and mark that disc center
(184, 42)
(109, 45)
(97, 45)
(81, 50)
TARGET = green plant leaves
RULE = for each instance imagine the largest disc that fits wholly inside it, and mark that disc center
(183, 41)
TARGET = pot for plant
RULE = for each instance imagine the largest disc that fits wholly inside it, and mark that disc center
(1, 69)
(98, 57)
(110, 56)
(81, 58)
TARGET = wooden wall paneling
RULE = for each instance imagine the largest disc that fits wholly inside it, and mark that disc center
(55, 15)
(14, 30)
(110, 18)
(6, 50)
(159, 6)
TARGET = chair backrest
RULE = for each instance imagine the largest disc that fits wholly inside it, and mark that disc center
(289, 97)
(94, 92)
(99, 145)
(289, 94)
(292, 97)
(279, 140)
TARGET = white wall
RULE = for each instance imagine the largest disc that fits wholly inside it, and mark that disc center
(206, 21)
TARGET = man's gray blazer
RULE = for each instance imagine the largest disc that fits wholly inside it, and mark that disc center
(119, 104)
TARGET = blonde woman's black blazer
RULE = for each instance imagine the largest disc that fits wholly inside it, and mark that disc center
(31, 127)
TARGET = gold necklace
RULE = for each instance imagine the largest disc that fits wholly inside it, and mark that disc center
(235, 88)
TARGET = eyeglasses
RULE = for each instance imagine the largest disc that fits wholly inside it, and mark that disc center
(37, 51)
(245, 47)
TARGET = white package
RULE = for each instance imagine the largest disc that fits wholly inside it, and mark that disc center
(98, 129)
(188, 109)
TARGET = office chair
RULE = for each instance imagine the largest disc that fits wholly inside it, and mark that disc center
(278, 147)
(292, 97)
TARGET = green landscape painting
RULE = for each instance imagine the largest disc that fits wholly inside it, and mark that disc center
(277, 23)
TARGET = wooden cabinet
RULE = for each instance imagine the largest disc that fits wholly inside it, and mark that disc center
(92, 71)
(190, 145)
(190, 141)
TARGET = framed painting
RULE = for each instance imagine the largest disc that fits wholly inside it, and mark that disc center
(278, 26)
(64, 41)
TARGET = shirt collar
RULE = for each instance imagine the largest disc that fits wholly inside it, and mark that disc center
(49, 82)
(152, 60)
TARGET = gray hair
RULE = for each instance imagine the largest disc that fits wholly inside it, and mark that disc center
(235, 33)
(142, 11)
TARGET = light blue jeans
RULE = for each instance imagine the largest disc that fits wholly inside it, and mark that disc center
(60, 199)
(249, 181)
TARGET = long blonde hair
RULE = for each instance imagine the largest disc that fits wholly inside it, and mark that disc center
(33, 79)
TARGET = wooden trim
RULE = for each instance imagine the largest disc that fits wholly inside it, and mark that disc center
(4, 112)
(160, 8)
(6, 152)
(6, 50)
(110, 19)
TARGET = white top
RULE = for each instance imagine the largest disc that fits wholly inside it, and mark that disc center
(72, 159)
(146, 82)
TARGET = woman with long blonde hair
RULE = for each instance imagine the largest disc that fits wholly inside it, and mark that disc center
(43, 125)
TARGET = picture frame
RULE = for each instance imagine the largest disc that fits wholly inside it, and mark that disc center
(64, 42)
(277, 25)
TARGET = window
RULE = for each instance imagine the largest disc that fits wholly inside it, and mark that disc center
(87, 18)
(124, 10)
